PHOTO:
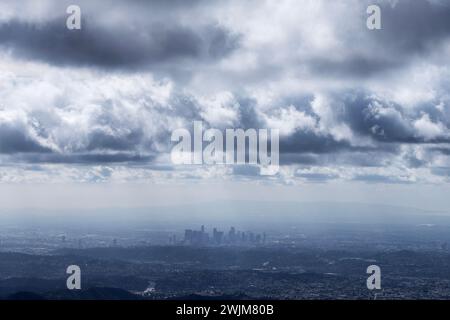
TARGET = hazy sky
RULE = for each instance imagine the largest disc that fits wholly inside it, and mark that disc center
(86, 115)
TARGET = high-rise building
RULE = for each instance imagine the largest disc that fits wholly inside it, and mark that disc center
(217, 236)
(232, 235)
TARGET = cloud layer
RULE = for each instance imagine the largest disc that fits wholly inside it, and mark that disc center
(350, 103)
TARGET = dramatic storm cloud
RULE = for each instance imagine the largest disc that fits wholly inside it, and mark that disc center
(100, 103)
(115, 47)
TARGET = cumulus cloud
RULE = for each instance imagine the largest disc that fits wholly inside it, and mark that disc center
(342, 96)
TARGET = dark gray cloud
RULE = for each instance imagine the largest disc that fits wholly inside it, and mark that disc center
(248, 116)
(409, 29)
(115, 47)
(444, 151)
(14, 139)
(310, 142)
(356, 66)
(412, 27)
(101, 140)
(84, 158)
(379, 156)
(300, 158)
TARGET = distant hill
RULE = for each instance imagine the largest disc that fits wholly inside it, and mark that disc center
(23, 295)
(96, 293)
(238, 296)
(226, 213)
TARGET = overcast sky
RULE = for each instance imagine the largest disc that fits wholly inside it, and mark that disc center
(363, 115)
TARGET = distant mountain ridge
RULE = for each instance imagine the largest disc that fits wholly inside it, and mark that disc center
(229, 213)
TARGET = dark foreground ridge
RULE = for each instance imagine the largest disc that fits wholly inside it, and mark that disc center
(224, 273)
